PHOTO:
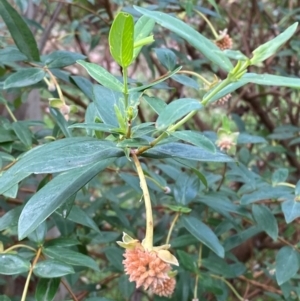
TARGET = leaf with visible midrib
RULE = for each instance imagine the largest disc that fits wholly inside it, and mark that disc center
(19, 31)
(121, 39)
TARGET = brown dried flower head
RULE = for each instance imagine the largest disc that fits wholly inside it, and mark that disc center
(149, 268)
(224, 41)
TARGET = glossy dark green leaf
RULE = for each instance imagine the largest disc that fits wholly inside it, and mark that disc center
(187, 261)
(23, 133)
(290, 209)
(264, 51)
(44, 202)
(287, 264)
(142, 29)
(46, 289)
(24, 77)
(279, 175)
(71, 257)
(176, 110)
(105, 101)
(61, 122)
(101, 127)
(115, 256)
(62, 58)
(195, 138)
(186, 81)
(102, 76)
(166, 57)
(84, 85)
(121, 36)
(52, 269)
(186, 151)
(19, 31)
(11, 264)
(266, 220)
(125, 286)
(58, 156)
(201, 43)
(204, 234)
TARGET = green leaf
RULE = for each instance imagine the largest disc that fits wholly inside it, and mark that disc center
(10, 218)
(77, 215)
(62, 58)
(287, 264)
(121, 39)
(268, 49)
(186, 188)
(186, 151)
(101, 127)
(279, 175)
(61, 122)
(11, 264)
(115, 256)
(44, 202)
(23, 133)
(195, 138)
(24, 77)
(176, 110)
(71, 257)
(105, 101)
(166, 57)
(142, 28)
(11, 54)
(46, 289)
(4, 298)
(185, 31)
(297, 189)
(102, 76)
(52, 269)
(186, 81)
(19, 31)
(58, 156)
(290, 209)
(204, 234)
(266, 220)
(39, 234)
(157, 104)
(187, 261)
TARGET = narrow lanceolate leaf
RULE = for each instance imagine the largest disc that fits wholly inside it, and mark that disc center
(102, 76)
(11, 264)
(23, 133)
(195, 138)
(287, 264)
(176, 110)
(266, 50)
(54, 194)
(24, 77)
(57, 156)
(46, 289)
(71, 257)
(201, 43)
(142, 29)
(52, 269)
(19, 31)
(204, 234)
(266, 220)
(121, 39)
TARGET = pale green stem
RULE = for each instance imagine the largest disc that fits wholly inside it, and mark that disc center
(195, 74)
(60, 94)
(18, 246)
(172, 227)
(143, 42)
(25, 290)
(125, 83)
(11, 114)
(199, 262)
(229, 285)
(208, 23)
(286, 184)
(148, 242)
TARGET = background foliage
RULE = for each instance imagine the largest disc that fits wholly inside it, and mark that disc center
(69, 188)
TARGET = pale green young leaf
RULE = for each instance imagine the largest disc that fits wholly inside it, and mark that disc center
(121, 39)
(266, 50)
